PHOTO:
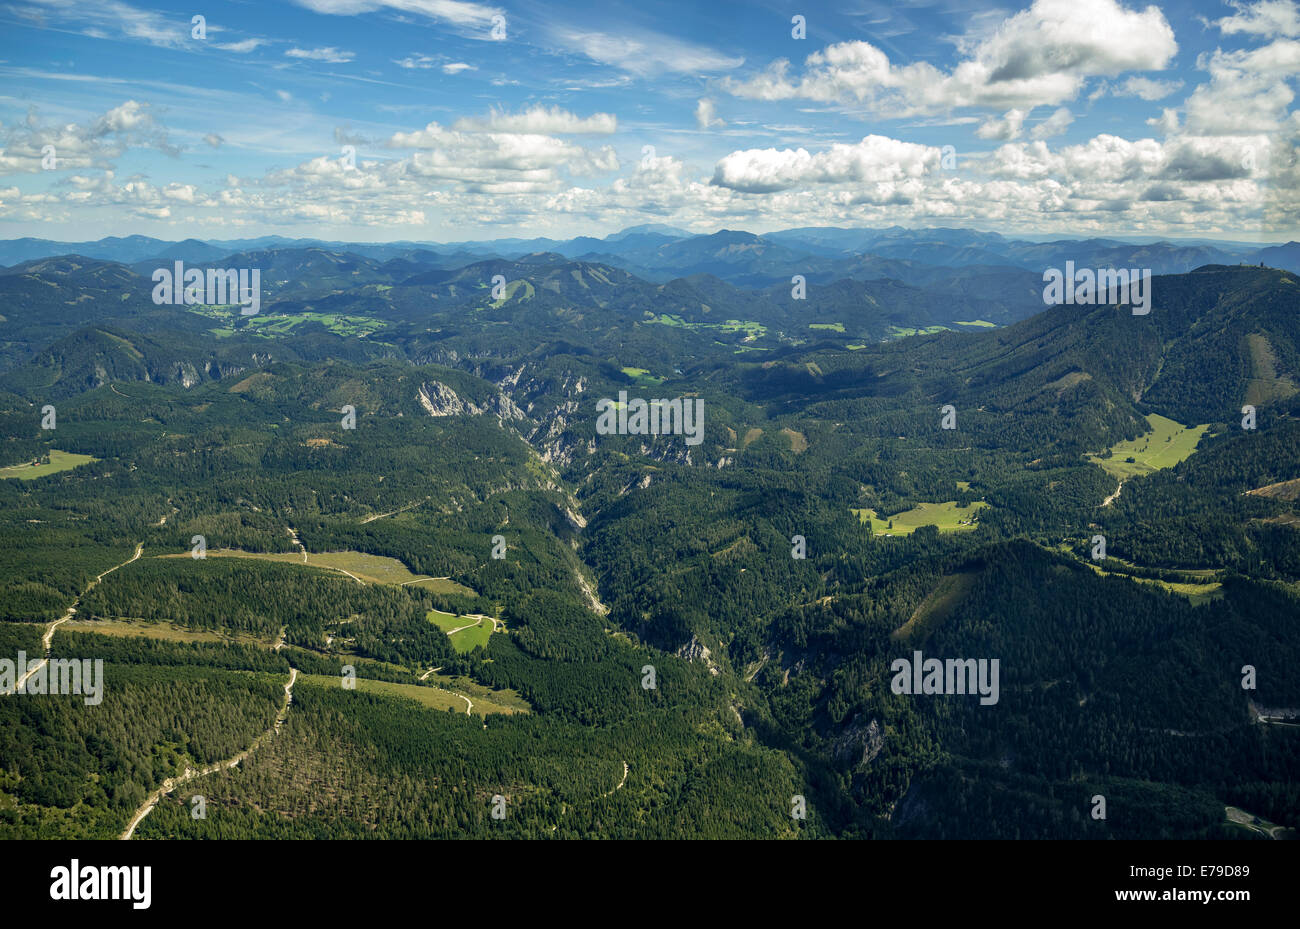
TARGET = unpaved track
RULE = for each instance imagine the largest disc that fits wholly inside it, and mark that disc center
(48, 639)
(478, 621)
(401, 509)
(620, 784)
(173, 782)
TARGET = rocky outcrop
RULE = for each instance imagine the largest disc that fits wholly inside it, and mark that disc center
(695, 650)
(440, 400)
(859, 743)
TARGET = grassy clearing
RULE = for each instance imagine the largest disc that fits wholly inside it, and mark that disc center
(1282, 490)
(59, 461)
(982, 323)
(512, 290)
(431, 696)
(274, 325)
(1196, 594)
(798, 441)
(935, 609)
(643, 375)
(466, 632)
(505, 701)
(1265, 385)
(948, 517)
(1164, 446)
(370, 569)
(900, 332)
(167, 632)
(751, 329)
(834, 327)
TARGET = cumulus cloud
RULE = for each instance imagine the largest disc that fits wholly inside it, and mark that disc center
(1005, 128)
(1266, 18)
(706, 114)
(94, 143)
(1146, 89)
(1042, 55)
(1054, 125)
(542, 120)
(1248, 90)
(876, 159)
(498, 161)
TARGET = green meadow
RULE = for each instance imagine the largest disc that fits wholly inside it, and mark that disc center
(1164, 446)
(947, 517)
(59, 461)
(472, 633)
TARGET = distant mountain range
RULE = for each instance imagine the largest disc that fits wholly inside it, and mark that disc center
(948, 258)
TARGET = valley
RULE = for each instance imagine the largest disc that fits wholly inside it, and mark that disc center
(477, 593)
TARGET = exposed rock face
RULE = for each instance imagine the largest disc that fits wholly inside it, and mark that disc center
(861, 740)
(186, 374)
(695, 650)
(440, 400)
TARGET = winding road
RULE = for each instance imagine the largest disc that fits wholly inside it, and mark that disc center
(48, 639)
(173, 782)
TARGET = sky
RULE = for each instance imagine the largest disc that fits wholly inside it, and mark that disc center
(447, 120)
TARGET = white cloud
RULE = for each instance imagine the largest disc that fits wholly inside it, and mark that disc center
(484, 159)
(1166, 122)
(242, 47)
(422, 62)
(1248, 90)
(1267, 18)
(328, 54)
(456, 12)
(1054, 125)
(110, 19)
(455, 67)
(213, 139)
(644, 54)
(876, 159)
(1042, 55)
(1146, 89)
(540, 120)
(706, 114)
(1005, 128)
(94, 143)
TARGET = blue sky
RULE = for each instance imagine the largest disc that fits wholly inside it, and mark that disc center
(479, 120)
